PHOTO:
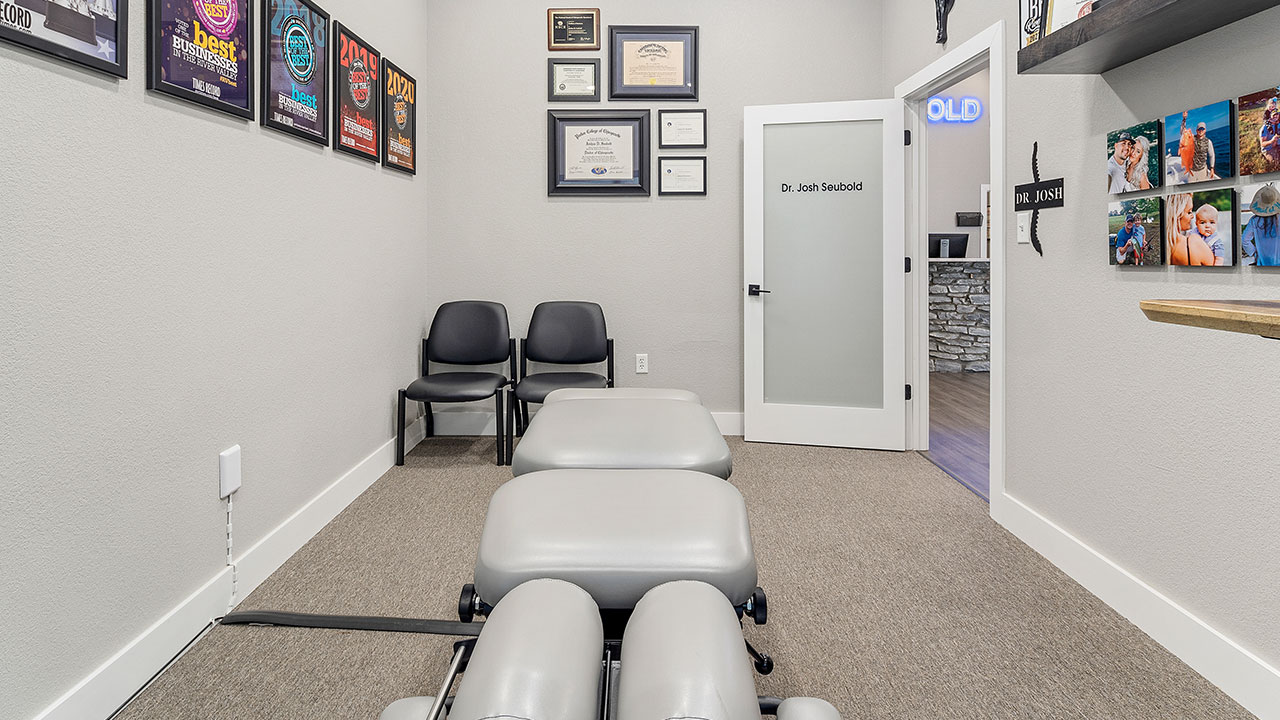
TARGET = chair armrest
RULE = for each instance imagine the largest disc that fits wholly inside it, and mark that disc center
(609, 360)
(511, 352)
(524, 360)
(426, 364)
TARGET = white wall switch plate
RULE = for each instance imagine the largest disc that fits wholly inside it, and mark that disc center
(1024, 228)
(228, 471)
(642, 364)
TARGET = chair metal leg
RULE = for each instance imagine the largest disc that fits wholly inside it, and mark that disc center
(431, 421)
(400, 428)
(517, 423)
(512, 416)
(524, 415)
(500, 434)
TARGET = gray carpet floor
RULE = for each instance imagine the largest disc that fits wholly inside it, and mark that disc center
(892, 594)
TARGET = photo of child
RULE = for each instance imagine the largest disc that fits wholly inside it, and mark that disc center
(1259, 132)
(1133, 158)
(1259, 235)
(1199, 145)
(1135, 232)
(1200, 228)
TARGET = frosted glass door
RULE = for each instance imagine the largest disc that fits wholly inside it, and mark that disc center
(824, 326)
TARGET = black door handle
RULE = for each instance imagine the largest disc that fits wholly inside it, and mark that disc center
(755, 291)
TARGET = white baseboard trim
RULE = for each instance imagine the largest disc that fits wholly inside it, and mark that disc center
(111, 685)
(1243, 676)
(481, 422)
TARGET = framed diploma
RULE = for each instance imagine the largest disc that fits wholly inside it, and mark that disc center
(573, 29)
(93, 34)
(356, 95)
(399, 119)
(649, 61)
(598, 152)
(202, 51)
(295, 69)
(682, 128)
(573, 80)
(682, 175)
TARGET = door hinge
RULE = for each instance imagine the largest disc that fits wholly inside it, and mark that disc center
(908, 138)
(908, 264)
(908, 392)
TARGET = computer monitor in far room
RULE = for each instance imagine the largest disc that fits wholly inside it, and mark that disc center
(948, 245)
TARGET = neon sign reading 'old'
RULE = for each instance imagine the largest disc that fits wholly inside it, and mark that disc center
(954, 110)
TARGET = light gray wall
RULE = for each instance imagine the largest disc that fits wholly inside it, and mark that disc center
(960, 163)
(175, 282)
(1154, 444)
(668, 271)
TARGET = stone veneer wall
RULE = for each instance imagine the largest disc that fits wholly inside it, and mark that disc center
(960, 316)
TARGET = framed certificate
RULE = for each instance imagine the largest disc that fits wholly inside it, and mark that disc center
(295, 69)
(202, 52)
(682, 175)
(682, 128)
(573, 80)
(598, 152)
(648, 61)
(573, 29)
(92, 34)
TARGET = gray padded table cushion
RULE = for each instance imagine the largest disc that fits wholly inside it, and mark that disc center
(623, 433)
(807, 709)
(616, 534)
(413, 708)
(683, 657)
(622, 394)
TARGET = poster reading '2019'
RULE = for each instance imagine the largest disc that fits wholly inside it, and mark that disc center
(295, 69)
(201, 51)
(355, 96)
(399, 119)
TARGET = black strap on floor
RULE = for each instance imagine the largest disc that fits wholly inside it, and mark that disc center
(353, 622)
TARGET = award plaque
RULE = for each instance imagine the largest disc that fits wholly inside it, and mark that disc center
(653, 62)
(573, 80)
(682, 175)
(682, 128)
(573, 29)
(598, 152)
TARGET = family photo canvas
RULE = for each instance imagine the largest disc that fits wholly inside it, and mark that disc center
(1200, 228)
(1259, 239)
(1135, 232)
(1133, 158)
(1259, 132)
(1199, 144)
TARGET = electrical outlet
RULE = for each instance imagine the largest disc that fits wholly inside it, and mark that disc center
(228, 471)
(642, 364)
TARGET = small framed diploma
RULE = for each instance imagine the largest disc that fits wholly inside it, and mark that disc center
(682, 129)
(573, 28)
(573, 80)
(649, 61)
(598, 152)
(682, 175)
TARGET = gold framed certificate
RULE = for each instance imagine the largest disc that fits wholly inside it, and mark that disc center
(652, 61)
(597, 152)
(573, 28)
(682, 175)
(682, 129)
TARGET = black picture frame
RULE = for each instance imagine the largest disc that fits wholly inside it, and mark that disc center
(552, 96)
(663, 140)
(398, 86)
(571, 22)
(663, 159)
(655, 39)
(25, 18)
(560, 176)
(155, 72)
(340, 89)
(265, 69)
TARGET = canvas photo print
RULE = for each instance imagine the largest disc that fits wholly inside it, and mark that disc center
(1259, 132)
(1133, 158)
(1259, 212)
(1135, 232)
(1200, 228)
(1199, 144)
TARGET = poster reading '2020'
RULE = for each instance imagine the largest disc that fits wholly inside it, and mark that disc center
(295, 69)
(399, 119)
(356, 95)
(201, 50)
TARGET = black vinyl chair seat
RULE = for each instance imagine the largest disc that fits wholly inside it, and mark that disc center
(454, 387)
(534, 388)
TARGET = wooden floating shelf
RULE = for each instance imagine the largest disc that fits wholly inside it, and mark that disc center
(1126, 30)
(1252, 317)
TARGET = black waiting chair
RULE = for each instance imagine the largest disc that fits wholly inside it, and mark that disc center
(466, 332)
(562, 333)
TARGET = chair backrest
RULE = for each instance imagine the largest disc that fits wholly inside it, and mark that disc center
(469, 332)
(567, 333)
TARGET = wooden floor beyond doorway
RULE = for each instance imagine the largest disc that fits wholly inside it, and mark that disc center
(960, 428)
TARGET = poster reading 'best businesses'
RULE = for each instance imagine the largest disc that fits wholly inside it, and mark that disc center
(399, 119)
(356, 93)
(201, 51)
(295, 71)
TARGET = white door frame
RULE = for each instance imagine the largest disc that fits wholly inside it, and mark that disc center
(986, 47)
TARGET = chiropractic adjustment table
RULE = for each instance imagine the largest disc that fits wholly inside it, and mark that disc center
(619, 428)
